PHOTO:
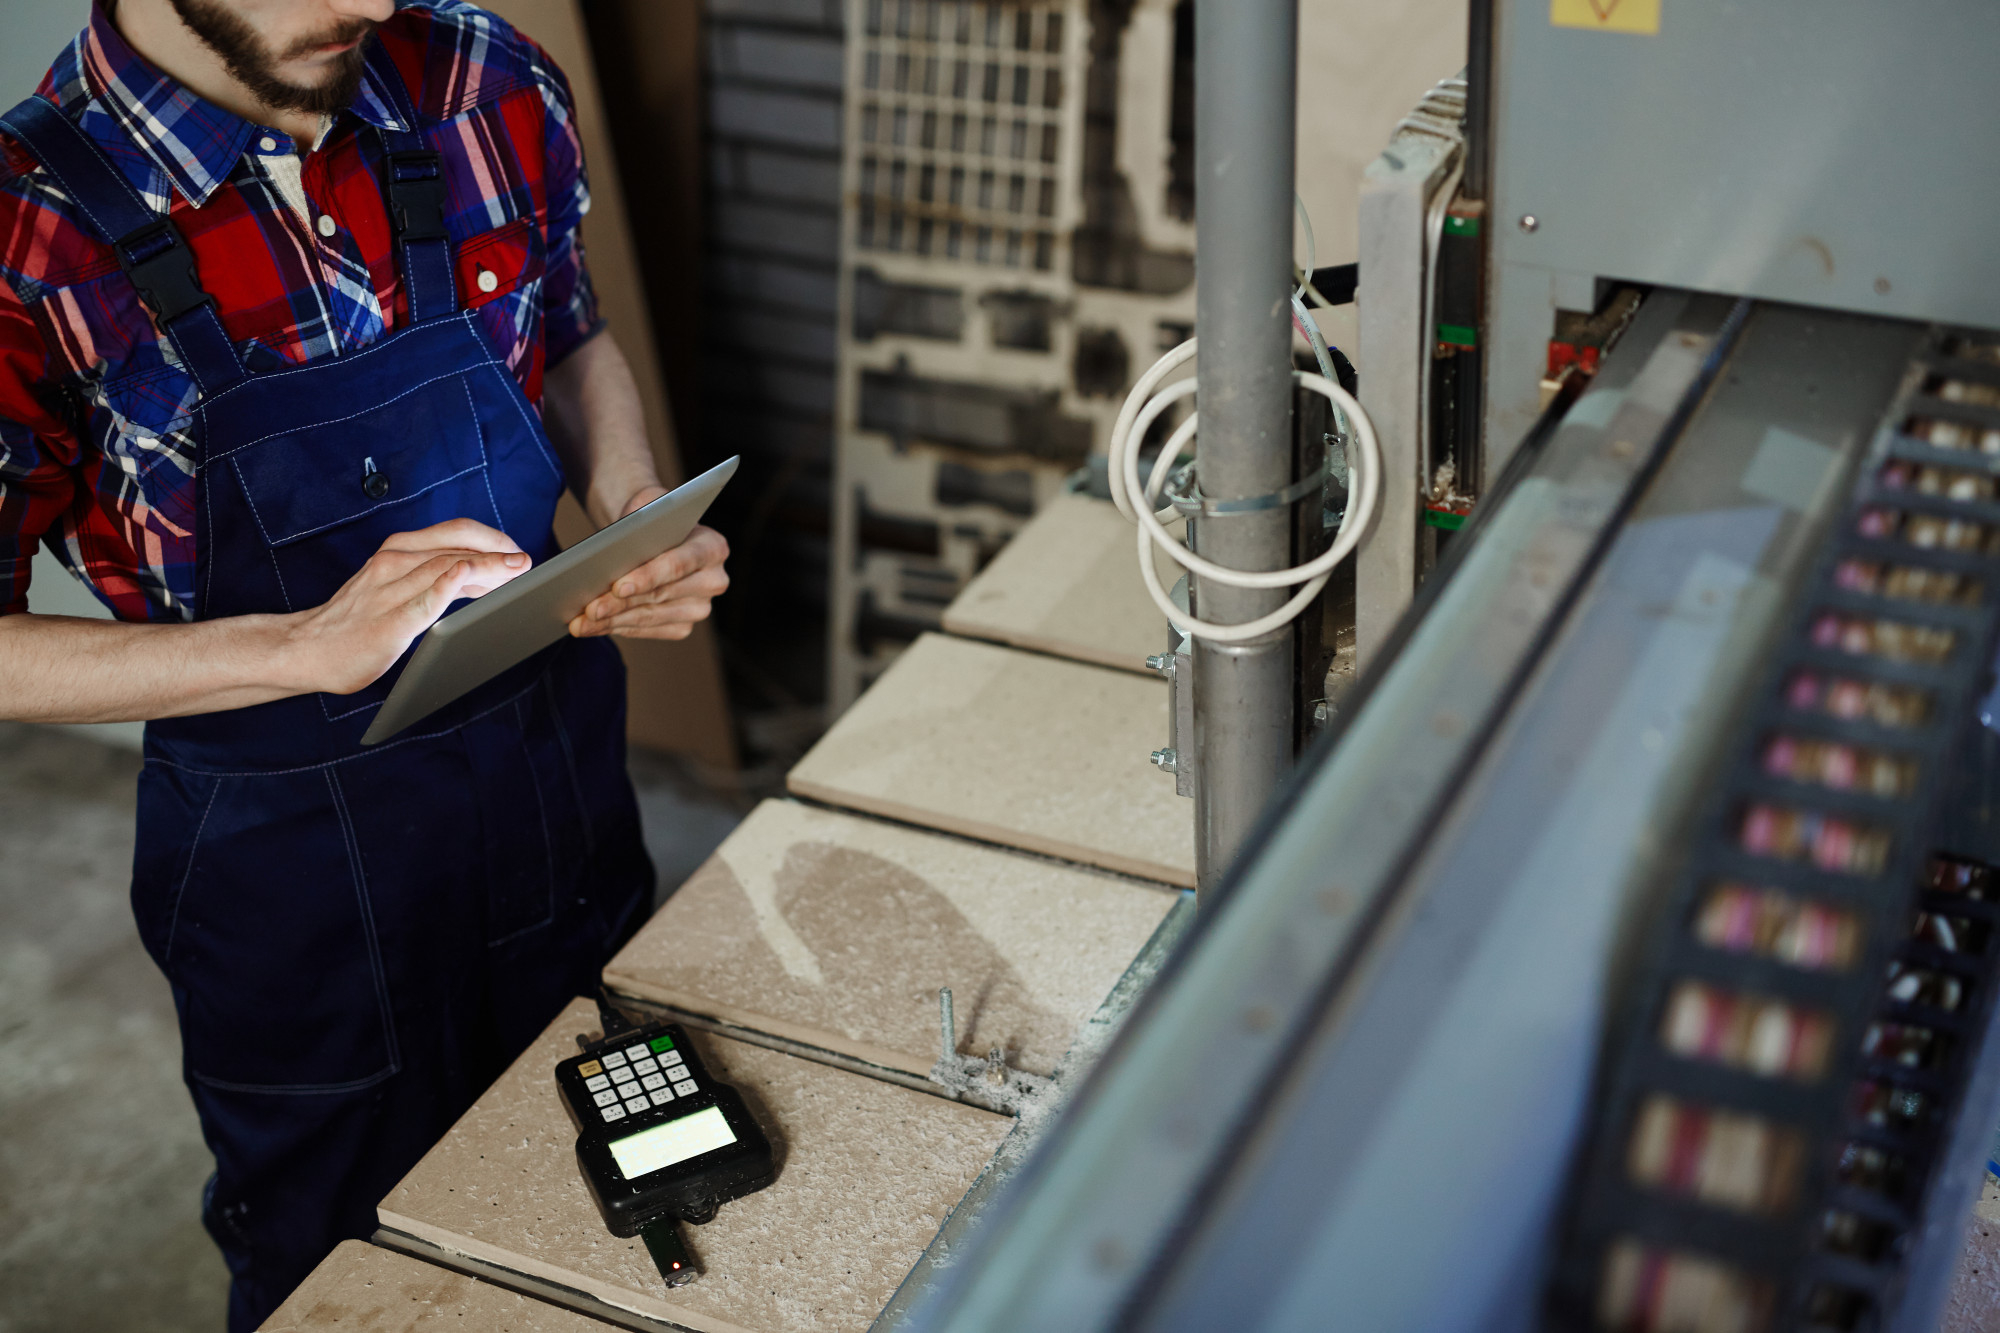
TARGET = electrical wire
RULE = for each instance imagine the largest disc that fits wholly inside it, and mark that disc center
(1302, 319)
(1142, 407)
(1312, 246)
(1308, 328)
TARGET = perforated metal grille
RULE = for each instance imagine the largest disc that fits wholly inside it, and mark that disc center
(961, 130)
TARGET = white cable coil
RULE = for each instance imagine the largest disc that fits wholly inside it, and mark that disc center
(1142, 408)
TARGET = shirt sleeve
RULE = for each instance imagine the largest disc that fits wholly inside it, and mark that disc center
(569, 305)
(38, 451)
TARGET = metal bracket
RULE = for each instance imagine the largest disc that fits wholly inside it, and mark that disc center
(1183, 492)
(989, 1082)
(1178, 758)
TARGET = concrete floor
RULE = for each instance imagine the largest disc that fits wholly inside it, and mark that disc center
(101, 1160)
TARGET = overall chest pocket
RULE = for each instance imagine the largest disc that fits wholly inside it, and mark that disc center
(325, 497)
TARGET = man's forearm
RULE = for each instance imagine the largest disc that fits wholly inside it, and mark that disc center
(61, 669)
(591, 406)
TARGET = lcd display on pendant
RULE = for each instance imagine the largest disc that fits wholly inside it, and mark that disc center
(676, 1141)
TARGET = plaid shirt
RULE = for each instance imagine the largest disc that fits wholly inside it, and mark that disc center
(97, 457)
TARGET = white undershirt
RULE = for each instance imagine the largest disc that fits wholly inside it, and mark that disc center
(287, 174)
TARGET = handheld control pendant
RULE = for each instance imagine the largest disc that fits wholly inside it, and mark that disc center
(658, 1138)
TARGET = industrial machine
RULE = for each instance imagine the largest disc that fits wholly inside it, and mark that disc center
(1621, 954)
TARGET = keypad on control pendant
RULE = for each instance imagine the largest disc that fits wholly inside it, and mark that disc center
(636, 1079)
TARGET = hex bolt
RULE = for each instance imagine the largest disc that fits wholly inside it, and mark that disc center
(1162, 663)
(1166, 760)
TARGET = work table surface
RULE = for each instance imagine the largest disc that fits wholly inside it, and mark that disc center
(868, 1172)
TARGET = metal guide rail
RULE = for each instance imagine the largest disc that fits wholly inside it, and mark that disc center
(1775, 1147)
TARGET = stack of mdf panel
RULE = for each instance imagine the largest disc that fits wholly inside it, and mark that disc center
(984, 819)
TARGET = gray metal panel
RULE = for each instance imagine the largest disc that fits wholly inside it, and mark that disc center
(1829, 152)
(1408, 1171)
(1395, 354)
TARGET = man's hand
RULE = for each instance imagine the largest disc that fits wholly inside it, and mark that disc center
(359, 633)
(663, 598)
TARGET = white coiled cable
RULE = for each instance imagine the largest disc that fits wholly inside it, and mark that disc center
(1142, 408)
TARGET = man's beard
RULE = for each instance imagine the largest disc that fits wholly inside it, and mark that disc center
(255, 65)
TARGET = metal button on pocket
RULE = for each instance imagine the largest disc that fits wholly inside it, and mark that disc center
(374, 482)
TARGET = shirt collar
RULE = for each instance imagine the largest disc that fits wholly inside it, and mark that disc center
(192, 140)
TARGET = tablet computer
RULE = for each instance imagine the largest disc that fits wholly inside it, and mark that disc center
(478, 641)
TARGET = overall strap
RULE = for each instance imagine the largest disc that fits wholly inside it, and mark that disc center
(414, 177)
(150, 248)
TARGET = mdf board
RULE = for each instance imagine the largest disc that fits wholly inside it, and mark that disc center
(676, 693)
(837, 931)
(1973, 1304)
(1069, 584)
(868, 1171)
(364, 1289)
(1014, 748)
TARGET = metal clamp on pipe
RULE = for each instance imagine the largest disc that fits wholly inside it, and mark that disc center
(1183, 492)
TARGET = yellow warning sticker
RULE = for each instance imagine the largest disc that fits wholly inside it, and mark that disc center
(1606, 15)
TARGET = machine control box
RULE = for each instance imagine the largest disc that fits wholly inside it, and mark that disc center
(658, 1137)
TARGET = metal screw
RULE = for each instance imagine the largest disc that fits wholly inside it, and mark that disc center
(1529, 222)
(1162, 663)
(1166, 760)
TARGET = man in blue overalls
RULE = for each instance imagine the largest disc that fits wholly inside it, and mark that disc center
(283, 279)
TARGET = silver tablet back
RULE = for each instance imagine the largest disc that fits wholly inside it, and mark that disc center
(475, 643)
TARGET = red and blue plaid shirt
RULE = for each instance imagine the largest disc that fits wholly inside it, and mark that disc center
(96, 455)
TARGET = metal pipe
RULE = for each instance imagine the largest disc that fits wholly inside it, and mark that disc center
(1245, 103)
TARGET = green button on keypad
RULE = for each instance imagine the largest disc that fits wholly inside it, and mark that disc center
(661, 1044)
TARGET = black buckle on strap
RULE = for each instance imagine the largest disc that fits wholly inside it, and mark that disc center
(416, 196)
(158, 261)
